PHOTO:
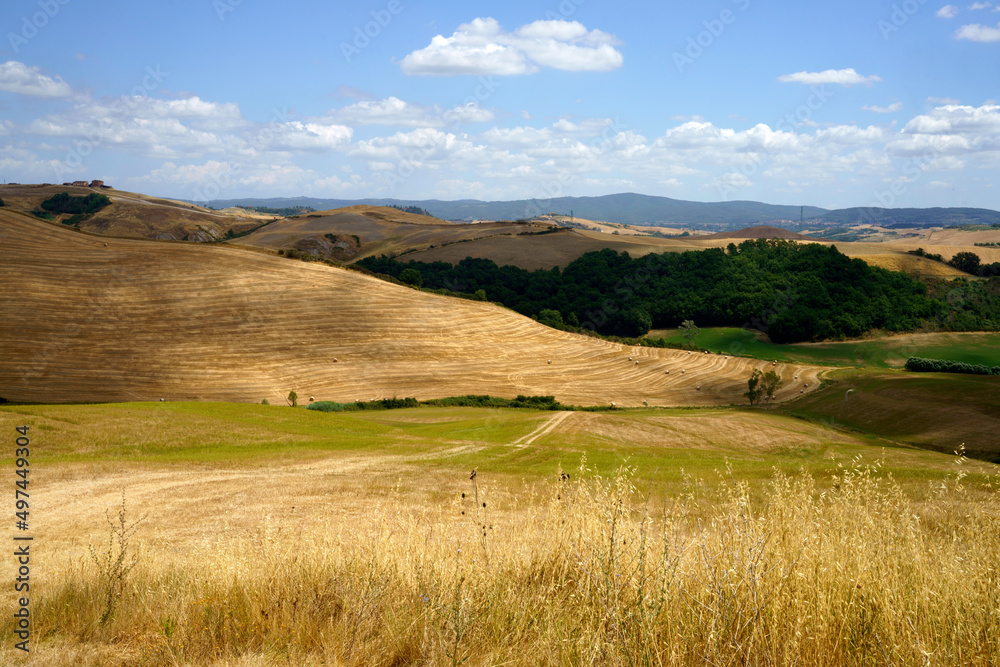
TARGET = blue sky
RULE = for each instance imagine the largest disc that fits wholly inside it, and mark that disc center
(828, 104)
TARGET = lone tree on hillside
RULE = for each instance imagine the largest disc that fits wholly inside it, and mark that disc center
(293, 399)
(689, 330)
(754, 390)
(761, 386)
(770, 383)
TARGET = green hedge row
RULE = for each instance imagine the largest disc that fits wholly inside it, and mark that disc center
(920, 365)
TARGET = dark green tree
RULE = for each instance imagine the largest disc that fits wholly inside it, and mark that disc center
(411, 277)
(754, 391)
(633, 323)
(769, 384)
(293, 399)
(550, 318)
(966, 261)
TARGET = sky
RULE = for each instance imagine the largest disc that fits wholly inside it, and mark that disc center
(854, 103)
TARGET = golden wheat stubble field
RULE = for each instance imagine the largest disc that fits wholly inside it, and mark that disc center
(95, 319)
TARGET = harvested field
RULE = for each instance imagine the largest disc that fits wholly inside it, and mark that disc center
(112, 320)
(139, 216)
(359, 231)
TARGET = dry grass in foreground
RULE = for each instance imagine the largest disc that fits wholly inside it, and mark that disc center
(584, 571)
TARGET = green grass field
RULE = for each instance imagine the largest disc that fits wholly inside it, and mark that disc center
(938, 411)
(886, 352)
(811, 434)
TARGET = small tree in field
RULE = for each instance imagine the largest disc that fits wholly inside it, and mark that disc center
(293, 399)
(754, 391)
(689, 330)
(769, 384)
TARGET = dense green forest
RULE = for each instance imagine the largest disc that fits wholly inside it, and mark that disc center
(792, 292)
(67, 203)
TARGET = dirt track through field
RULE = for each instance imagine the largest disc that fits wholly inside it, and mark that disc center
(548, 426)
(87, 319)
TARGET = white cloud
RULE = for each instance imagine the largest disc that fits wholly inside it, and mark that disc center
(978, 33)
(950, 131)
(947, 12)
(310, 136)
(892, 108)
(979, 5)
(390, 111)
(943, 100)
(470, 112)
(843, 77)
(394, 111)
(481, 47)
(19, 78)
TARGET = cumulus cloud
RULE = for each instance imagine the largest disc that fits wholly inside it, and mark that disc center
(16, 77)
(979, 5)
(892, 108)
(950, 130)
(394, 111)
(947, 12)
(482, 47)
(979, 33)
(843, 77)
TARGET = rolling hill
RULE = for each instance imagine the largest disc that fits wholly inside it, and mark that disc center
(358, 231)
(546, 251)
(134, 215)
(89, 319)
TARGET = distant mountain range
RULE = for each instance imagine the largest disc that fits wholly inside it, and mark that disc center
(636, 209)
(911, 217)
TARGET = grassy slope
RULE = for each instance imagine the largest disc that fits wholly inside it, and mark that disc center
(659, 444)
(886, 352)
(932, 410)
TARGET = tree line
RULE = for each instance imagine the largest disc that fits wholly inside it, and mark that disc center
(793, 292)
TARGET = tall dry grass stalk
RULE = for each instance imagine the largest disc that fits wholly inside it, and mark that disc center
(584, 571)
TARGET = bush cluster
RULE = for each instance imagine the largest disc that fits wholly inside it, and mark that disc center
(921, 365)
(381, 404)
(67, 203)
